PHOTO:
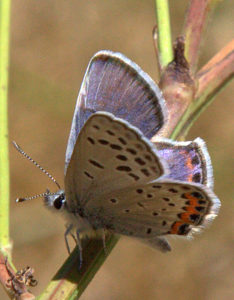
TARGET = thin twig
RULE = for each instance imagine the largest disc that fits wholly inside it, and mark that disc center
(4, 160)
(15, 283)
(216, 71)
(197, 16)
(155, 41)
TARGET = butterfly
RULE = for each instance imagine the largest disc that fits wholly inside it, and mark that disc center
(116, 179)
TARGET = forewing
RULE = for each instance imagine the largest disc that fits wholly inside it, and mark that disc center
(187, 161)
(115, 84)
(109, 155)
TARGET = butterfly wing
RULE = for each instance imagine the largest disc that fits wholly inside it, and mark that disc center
(153, 210)
(187, 161)
(115, 84)
(109, 155)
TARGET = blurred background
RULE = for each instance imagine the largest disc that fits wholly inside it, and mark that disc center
(51, 44)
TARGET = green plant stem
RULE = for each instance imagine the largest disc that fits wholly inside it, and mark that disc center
(164, 32)
(69, 282)
(4, 160)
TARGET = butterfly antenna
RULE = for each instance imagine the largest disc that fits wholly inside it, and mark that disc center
(34, 197)
(38, 166)
(30, 198)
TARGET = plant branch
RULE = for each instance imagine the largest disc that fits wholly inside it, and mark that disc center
(15, 283)
(196, 20)
(4, 160)
(213, 75)
(69, 282)
(163, 39)
(211, 79)
(178, 89)
(5, 276)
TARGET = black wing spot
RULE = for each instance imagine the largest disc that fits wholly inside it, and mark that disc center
(96, 127)
(88, 175)
(116, 147)
(164, 223)
(124, 168)
(183, 229)
(145, 172)
(91, 140)
(171, 204)
(140, 161)
(149, 195)
(113, 200)
(122, 141)
(110, 132)
(202, 202)
(180, 215)
(196, 177)
(173, 190)
(122, 157)
(140, 204)
(132, 151)
(127, 210)
(154, 213)
(134, 176)
(195, 160)
(200, 208)
(197, 195)
(148, 157)
(166, 199)
(96, 164)
(149, 230)
(139, 191)
(103, 142)
(157, 186)
(195, 218)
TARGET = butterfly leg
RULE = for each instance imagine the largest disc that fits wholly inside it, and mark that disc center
(67, 232)
(78, 240)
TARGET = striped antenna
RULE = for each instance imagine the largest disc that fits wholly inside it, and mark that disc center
(30, 198)
(38, 166)
(34, 197)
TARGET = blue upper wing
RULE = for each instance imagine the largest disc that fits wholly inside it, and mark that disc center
(115, 84)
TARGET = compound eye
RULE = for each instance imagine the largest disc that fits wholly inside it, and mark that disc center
(58, 203)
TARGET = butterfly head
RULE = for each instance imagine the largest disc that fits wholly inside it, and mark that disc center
(56, 200)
